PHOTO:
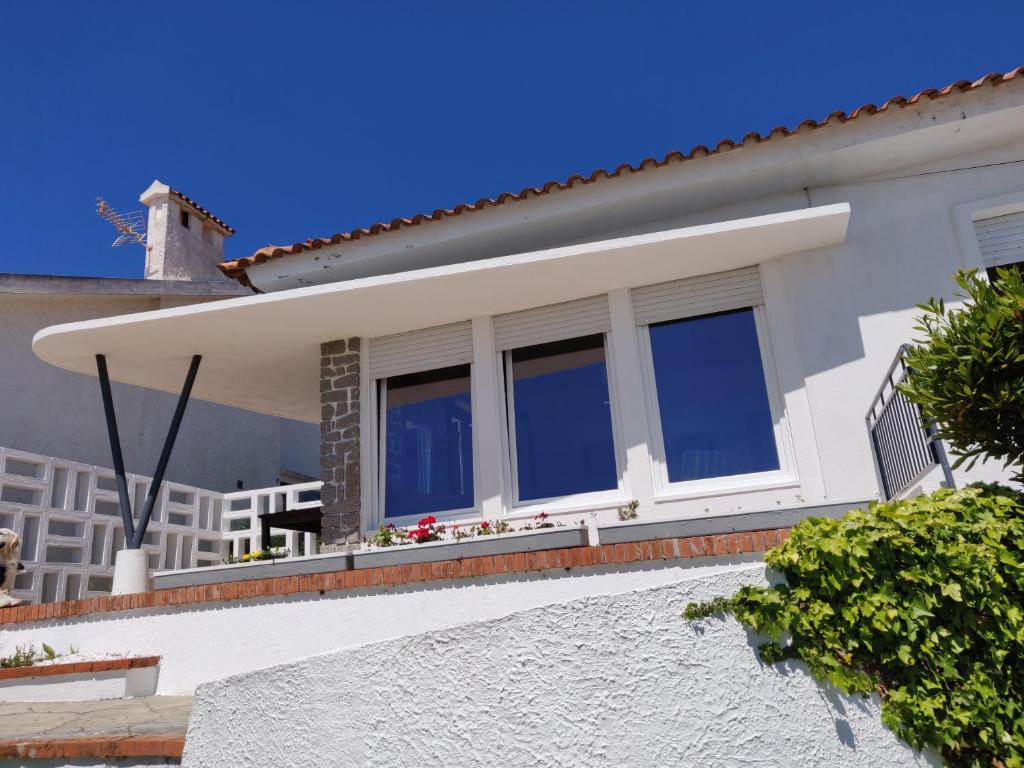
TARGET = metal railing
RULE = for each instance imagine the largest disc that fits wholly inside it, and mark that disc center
(905, 448)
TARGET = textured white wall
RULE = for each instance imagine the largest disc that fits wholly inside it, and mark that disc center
(611, 680)
(202, 643)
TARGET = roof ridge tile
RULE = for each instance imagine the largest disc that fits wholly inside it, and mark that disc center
(237, 268)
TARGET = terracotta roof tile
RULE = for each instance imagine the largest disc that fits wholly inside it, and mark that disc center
(199, 209)
(236, 268)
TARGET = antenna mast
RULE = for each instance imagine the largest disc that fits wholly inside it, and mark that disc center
(131, 227)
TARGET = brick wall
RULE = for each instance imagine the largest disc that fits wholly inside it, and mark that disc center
(383, 577)
(339, 442)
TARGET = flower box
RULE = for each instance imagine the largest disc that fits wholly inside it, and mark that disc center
(256, 569)
(503, 544)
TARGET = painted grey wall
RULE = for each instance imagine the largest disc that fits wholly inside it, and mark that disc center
(300, 448)
(53, 412)
(610, 680)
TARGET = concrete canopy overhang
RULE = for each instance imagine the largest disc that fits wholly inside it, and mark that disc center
(262, 353)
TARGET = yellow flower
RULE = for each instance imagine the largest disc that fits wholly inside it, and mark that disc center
(245, 558)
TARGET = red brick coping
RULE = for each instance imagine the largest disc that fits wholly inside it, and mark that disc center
(93, 746)
(395, 575)
(79, 667)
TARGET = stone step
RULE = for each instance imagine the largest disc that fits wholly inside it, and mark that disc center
(151, 727)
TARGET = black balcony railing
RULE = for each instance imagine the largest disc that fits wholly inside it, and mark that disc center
(905, 448)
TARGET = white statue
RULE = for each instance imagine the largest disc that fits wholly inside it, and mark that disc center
(10, 548)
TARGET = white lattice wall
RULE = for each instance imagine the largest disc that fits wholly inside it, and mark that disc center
(69, 519)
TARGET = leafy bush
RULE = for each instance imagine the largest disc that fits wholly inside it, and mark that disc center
(918, 600)
(968, 371)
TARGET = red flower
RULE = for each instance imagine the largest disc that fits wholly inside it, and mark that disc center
(420, 534)
(485, 525)
(428, 520)
(541, 516)
(390, 526)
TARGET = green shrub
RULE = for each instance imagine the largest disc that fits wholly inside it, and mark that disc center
(917, 600)
(968, 371)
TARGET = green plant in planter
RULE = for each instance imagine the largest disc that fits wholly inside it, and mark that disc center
(968, 370)
(389, 536)
(26, 656)
(920, 601)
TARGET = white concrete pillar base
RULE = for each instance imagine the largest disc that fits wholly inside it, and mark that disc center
(131, 572)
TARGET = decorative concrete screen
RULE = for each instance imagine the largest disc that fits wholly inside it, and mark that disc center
(69, 520)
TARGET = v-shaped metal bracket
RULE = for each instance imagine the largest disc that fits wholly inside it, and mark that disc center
(133, 535)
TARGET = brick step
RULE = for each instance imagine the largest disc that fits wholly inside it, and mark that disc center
(102, 747)
(150, 727)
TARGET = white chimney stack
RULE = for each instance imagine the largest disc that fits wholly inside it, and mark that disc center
(184, 241)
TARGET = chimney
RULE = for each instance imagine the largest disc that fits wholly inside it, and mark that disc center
(184, 241)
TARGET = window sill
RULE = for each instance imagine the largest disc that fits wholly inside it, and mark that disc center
(707, 490)
(583, 503)
(447, 517)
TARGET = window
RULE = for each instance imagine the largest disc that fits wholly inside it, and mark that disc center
(1001, 241)
(560, 419)
(712, 399)
(184, 219)
(426, 442)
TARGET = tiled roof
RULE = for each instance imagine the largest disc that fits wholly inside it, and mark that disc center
(199, 209)
(236, 269)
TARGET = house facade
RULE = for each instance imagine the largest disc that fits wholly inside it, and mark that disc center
(702, 334)
(665, 366)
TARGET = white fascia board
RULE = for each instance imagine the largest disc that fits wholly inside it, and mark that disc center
(262, 352)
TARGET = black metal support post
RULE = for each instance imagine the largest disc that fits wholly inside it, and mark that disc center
(134, 534)
(115, 449)
(165, 455)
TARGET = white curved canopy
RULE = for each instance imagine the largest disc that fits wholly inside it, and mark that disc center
(262, 353)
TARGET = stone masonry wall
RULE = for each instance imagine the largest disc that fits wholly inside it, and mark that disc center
(339, 442)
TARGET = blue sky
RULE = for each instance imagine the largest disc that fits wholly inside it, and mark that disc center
(301, 119)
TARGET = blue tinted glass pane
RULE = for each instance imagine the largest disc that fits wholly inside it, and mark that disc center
(715, 417)
(563, 426)
(429, 433)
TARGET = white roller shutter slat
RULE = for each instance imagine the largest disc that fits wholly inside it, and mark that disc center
(554, 322)
(1001, 239)
(694, 296)
(425, 350)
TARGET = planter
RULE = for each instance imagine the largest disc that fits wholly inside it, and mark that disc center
(81, 680)
(261, 569)
(499, 544)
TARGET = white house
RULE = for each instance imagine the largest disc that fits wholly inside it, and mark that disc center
(713, 335)
(703, 334)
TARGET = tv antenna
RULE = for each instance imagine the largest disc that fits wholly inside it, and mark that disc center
(131, 227)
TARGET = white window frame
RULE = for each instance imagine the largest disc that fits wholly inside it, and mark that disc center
(783, 477)
(589, 501)
(378, 406)
(966, 214)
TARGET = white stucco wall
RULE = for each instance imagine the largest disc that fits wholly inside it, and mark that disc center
(53, 412)
(607, 680)
(205, 642)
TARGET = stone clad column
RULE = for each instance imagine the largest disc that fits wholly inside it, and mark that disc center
(339, 443)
